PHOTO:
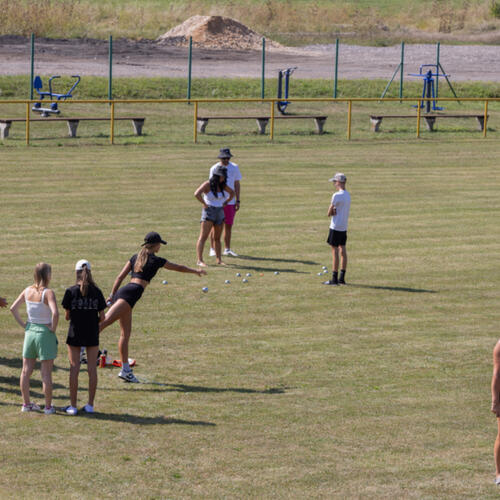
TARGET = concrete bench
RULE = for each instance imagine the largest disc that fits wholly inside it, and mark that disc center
(262, 121)
(5, 123)
(430, 120)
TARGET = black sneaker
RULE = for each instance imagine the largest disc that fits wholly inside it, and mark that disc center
(331, 282)
(342, 282)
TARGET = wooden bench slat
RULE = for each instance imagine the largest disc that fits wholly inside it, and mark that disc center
(5, 123)
(430, 119)
(262, 121)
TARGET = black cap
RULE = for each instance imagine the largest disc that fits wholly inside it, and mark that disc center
(153, 237)
(225, 153)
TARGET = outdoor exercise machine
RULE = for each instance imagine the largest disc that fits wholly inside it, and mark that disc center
(53, 110)
(438, 67)
(428, 90)
(284, 74)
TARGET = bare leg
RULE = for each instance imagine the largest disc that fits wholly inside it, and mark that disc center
(119, 308)
(217, 234)
(335, 258)
(92, 370)
(343, 257)
(74, 371)
(227, 235)
(46, 370)
(205, 228)
(212, 241)
(28, 367)
(126, 330)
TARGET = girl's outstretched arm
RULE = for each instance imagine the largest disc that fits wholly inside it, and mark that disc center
(183, 269)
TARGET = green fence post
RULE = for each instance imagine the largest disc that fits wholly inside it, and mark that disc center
(336, 68)
(190, 60)
(32, 76)
(401, 72)
(437, 68)
(262, 80)
(110, 78)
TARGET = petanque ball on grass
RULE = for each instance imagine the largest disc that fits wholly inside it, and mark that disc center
(204, 289)
(320, 274)
(248, 274)
(227, 282)
(244, 280)
(276, 273)
(165, 282)
(238, 275)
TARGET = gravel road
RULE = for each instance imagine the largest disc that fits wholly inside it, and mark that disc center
(149, 59)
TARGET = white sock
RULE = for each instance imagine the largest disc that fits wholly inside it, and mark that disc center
(125, 367)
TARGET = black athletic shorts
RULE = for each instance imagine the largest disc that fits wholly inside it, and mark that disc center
(337, 238)
(130, 293)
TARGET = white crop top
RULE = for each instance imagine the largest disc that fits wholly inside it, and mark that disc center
(212, 201)
(38, 312)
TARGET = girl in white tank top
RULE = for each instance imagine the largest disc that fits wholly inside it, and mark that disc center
(40, 341)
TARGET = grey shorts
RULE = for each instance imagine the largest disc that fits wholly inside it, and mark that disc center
(213, 214)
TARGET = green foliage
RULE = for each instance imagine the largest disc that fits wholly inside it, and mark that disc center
(495, 9)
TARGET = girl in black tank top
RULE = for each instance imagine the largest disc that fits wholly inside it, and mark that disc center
(143, 267)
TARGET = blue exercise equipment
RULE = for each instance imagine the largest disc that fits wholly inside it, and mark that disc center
(53, 110)
(284, 74)
(428, 90)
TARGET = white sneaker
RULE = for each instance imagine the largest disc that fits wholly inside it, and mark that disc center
(128, 376)
(228, 251)
(30, 407)
(71, 410)
(88, 408)
(212, 253)
(49, 410)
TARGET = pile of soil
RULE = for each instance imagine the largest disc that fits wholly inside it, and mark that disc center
(215, 32)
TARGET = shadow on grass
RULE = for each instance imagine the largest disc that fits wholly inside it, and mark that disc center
(166, 387)
(18, 363)
(134, 419)
(270, 259)
(393, 288)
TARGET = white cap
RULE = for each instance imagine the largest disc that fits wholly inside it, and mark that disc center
(338, 177)
(81, 264)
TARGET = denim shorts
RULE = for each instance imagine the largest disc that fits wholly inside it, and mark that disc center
(39, 342)
(213, 214)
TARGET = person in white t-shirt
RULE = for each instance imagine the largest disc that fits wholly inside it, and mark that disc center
(233, 181)
(337, 236)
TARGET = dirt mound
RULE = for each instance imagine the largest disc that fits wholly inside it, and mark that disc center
(215, 32)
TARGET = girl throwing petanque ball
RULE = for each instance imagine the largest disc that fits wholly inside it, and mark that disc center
(143, 267)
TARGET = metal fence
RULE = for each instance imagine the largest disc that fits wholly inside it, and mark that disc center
(272, 106)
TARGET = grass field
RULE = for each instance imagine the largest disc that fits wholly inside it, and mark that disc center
(280, 387)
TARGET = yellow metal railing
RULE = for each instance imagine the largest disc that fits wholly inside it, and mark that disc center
(272, 101)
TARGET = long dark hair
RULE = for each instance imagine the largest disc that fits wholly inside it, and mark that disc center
(216, 182)
(84, 277)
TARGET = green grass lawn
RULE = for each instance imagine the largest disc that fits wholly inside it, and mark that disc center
(280, 387)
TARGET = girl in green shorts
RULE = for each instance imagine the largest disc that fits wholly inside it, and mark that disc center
(40, 339)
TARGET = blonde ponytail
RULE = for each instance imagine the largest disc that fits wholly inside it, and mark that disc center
(142, 257)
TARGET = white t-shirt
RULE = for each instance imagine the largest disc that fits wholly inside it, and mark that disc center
(233, 175)
(341, 200)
